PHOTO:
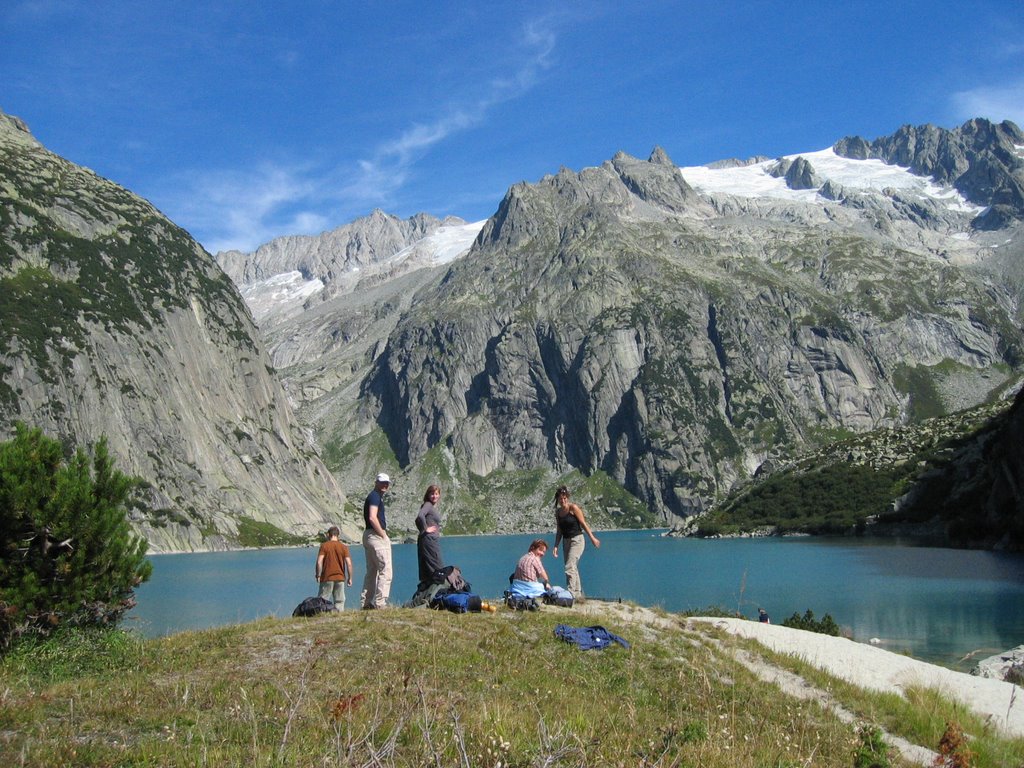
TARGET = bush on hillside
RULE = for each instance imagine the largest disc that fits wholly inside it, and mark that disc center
(829, 500)
(67, 554)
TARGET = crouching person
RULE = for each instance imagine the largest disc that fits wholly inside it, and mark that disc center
(530, 579)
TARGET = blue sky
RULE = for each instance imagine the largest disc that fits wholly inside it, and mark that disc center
(244, 121)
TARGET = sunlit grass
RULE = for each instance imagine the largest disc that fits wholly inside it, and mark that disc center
(417, 687)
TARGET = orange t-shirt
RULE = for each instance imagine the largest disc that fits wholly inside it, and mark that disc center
(334, 553)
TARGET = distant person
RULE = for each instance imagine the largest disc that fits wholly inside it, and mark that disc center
(529, 578)
(334, 568)
(762, 616)
(376, 547)
(428, 542)
(571, 525)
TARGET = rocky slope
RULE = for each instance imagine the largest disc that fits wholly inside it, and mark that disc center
(115, 322)
(675, 328)
(952, 480)
(977, 494)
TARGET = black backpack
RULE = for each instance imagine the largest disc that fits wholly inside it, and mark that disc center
(312, 606)
(521, 603)
(451, 578)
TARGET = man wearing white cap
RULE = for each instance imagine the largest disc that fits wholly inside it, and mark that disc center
(376, 547)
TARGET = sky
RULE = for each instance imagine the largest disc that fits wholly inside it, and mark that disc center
(245, 121)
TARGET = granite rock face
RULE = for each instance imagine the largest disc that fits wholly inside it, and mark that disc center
(115, 322)
(615, 320)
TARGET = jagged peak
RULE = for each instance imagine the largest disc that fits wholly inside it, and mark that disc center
(853, 147)
(624, 157)
(660, 157)
(980, 159)
(801, 175)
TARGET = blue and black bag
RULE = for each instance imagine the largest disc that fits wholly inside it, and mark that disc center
(456, 602)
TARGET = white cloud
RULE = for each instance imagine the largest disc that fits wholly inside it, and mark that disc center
(240, 210)
(387, 170)
(999, 102)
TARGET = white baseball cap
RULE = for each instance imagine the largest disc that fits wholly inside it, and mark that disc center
(383, 478)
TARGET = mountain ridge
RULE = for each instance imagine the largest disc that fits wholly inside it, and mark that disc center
(981, 159)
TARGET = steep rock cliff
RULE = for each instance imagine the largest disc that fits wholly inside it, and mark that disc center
(115, 322)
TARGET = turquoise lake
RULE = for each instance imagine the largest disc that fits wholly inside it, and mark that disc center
(940, 605)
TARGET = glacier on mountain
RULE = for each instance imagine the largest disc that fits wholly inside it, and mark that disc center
(872, 175)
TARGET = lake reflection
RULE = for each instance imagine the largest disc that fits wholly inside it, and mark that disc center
(935, 604)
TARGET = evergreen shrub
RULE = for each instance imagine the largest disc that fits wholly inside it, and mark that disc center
(826, 625)
(67, 554)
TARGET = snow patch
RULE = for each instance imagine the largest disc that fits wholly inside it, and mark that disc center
(287, 286)
(856, 175)
(286, 289)
(444, 246)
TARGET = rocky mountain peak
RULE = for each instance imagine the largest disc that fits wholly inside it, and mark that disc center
(735, 162)
(801, 175)
(659, 156)
(980, 159)
(798, 173)
(312, 269)
(17, 126)
(656, 181)
(649, 188)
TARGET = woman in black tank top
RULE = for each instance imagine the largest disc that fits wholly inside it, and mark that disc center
(571, 524)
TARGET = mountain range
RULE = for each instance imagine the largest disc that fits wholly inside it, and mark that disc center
(671, 329)
(650, 334)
